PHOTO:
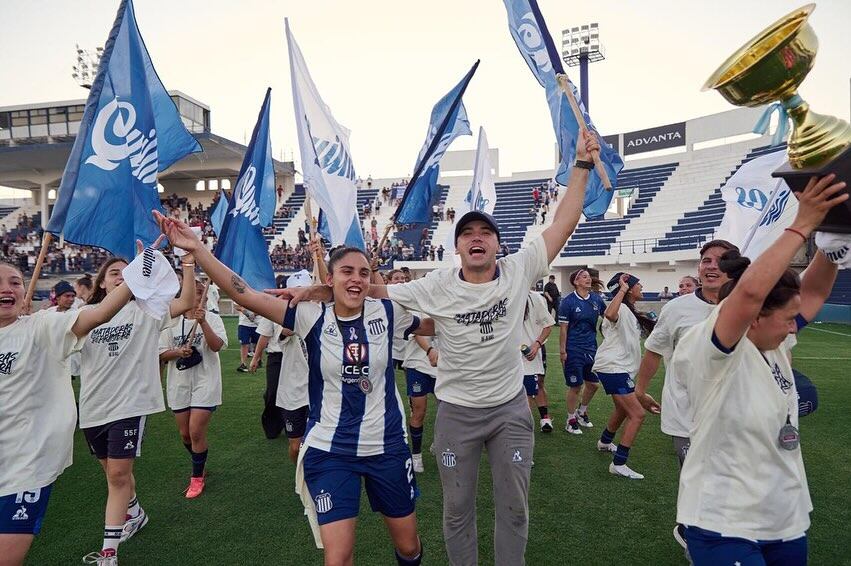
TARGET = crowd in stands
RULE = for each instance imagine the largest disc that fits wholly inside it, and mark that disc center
(542, 197)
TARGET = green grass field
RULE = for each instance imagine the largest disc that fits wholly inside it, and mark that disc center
(579, 512)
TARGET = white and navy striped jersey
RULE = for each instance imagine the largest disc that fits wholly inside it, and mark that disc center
(355, 408)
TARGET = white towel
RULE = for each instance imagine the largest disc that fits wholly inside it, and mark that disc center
(152, 281)
(306, 499)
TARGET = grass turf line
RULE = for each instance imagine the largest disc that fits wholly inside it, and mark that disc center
(579, 512)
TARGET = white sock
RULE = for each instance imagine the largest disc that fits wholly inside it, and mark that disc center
(583, 409)
(133, 508)
(112, 537)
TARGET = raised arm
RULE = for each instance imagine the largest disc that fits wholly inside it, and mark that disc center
(91, 318)
(186, 299)
(179, 234)
(744, 304)
(567, 213)
(611, 312)
(816, 284)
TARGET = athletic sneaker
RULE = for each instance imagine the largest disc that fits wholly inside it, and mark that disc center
(610, 447)
(196, 487)
(546, 424)
(584, 420)
(103, 558)
(242, 368)
(418, 463)
(625, 471)
(572, 427)
(133, 525)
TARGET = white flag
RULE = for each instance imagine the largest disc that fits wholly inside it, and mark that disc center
(329, 175)
(758, 207)
(482, 194)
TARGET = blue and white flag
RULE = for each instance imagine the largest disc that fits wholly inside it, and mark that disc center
(758, 206)
(448, 121)
(482, 194)
(530, 33)
(241, 245)
(354, 237)
(130, 131)
(217, 216)
(326, 162)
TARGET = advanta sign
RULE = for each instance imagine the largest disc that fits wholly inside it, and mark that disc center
(651, 139)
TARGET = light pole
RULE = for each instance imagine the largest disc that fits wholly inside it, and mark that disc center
(579, 46)
(86, 69)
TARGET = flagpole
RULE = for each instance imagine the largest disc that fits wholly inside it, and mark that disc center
(580, 119)
(762, 216)
(46, 240)
(312, 225)
(203, 306)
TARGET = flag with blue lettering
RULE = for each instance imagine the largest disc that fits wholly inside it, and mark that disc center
(241, 245)
(530, 33)
(326, 162)
(354, 237)
(217, 216)
(758, 206)
(448, 121)
(130, 131)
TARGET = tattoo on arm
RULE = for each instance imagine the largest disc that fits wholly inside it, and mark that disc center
(238, 284)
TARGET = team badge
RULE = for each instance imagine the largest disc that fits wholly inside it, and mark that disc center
(365, 385)
(355, 353)
(323, 502)
(448, 459)
(376, 326)
(572, 379)
(417, 388)
(630, 382)
(516, 458)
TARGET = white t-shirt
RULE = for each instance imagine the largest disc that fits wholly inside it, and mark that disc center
(37, 412)
(478, 326)
(414, 356)
(620, 351)
(272, 331)
(72, 362)
(121, 370)
(293, 379)
(201, 385)
(737, 480)
(675, 319)
(247, 318)
(539, 317)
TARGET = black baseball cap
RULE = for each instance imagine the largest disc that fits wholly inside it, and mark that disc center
(63, 287)
(472, 216)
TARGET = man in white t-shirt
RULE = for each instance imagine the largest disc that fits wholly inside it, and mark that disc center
(478, 313)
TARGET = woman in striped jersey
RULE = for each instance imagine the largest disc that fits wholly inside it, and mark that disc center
(356, 425)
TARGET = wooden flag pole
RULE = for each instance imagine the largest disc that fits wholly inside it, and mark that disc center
(46, 240)
(312, 226)
(580, 119)
(203, 306)
(384, 237)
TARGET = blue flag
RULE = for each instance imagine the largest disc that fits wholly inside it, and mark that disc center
(354, 237)
(448, 121)
(241, 245)
(217, 216)
(130, 131)
(530, 33)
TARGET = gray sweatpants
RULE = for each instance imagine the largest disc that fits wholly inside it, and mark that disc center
(507, 432)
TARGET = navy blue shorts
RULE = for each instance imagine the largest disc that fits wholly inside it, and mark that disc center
(419, 384)
(710, 548)
(530, 383)
(334, 482)
(616, 383)
(577, 369)
(247, 334)
(22, 513)
(119, 440)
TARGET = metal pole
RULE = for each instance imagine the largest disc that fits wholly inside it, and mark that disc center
(583, 80)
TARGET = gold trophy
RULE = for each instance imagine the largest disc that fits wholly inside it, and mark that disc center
(769, 68)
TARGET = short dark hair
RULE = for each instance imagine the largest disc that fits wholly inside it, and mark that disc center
(723, 244)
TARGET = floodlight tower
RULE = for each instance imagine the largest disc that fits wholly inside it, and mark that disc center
(580, 46)
(86, 69)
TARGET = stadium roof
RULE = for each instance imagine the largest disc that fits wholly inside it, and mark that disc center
(27, 166)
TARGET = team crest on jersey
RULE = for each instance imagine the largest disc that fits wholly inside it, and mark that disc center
(516, 457)
(7, 361)
(355, 353)
(323, 502)
(448, 459)
(331, 329)
(376, 326)
(20, 514)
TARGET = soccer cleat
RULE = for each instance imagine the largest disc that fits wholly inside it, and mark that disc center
(584, 420)
(546, 424)
(196, 487)
(418, 463)
(610, 447)
(242, 368)
(624, 471)
(572, 427)
(106, 557)
(133, 525)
